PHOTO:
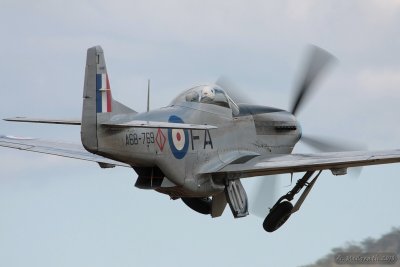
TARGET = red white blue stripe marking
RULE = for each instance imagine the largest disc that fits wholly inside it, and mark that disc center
(103, 93)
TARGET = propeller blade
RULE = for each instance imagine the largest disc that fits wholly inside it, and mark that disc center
(325, 145)
(318, 60)
(354, 172)
(265, 196)
(237, 95)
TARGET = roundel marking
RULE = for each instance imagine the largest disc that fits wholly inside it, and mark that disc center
(178, 139)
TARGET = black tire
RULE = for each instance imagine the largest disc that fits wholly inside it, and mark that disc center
(278, 216)
(201, 205)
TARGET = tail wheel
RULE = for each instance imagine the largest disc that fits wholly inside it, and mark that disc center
(278, 216)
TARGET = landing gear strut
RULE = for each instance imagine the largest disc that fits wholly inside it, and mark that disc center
(282, 210)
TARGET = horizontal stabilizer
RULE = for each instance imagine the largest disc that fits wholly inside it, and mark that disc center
(49, 121)
(158, 124)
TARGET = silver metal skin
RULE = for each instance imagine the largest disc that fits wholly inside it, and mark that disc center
(199, 146)
(236, 136)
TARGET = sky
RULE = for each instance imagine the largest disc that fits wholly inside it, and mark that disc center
(63, 212)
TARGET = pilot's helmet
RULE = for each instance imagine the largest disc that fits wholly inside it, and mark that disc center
(207, 93)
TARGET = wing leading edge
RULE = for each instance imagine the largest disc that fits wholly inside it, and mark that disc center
(62, 149)
(279, 164)
(47, 121)
(130, 124)
(158, 124)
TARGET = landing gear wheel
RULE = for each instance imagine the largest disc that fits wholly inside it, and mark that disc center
(277, 216)
(201, 205)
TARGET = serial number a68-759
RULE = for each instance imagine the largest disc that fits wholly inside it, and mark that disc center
(136, 139)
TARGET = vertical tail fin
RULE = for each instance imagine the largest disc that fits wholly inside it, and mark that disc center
(98, 104)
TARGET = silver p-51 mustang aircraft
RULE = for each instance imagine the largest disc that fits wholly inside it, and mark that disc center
(201, 145)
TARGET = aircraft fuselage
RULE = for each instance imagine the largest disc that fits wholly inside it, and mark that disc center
(181, 155)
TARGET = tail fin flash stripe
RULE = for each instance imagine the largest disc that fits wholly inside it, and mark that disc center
(103, 93)
(98, 93)
(108, 94)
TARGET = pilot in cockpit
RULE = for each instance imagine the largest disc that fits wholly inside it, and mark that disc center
(207, 94)
(214, 95)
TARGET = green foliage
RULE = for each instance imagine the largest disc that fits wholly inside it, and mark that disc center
(388, 243)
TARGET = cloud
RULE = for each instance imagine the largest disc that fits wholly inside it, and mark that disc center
(206, 23)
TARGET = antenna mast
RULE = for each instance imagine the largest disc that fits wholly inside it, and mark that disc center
(148, 95)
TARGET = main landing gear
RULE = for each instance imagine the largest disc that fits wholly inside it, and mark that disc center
(282, 209)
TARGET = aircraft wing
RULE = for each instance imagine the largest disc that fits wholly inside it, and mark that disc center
(279, 164)
(158, 124)
(133, 124)
(48, 121)
(55, 148)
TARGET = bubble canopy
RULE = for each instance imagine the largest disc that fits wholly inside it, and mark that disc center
(207, 94)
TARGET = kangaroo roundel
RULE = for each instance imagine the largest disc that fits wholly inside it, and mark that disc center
(178, 139)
